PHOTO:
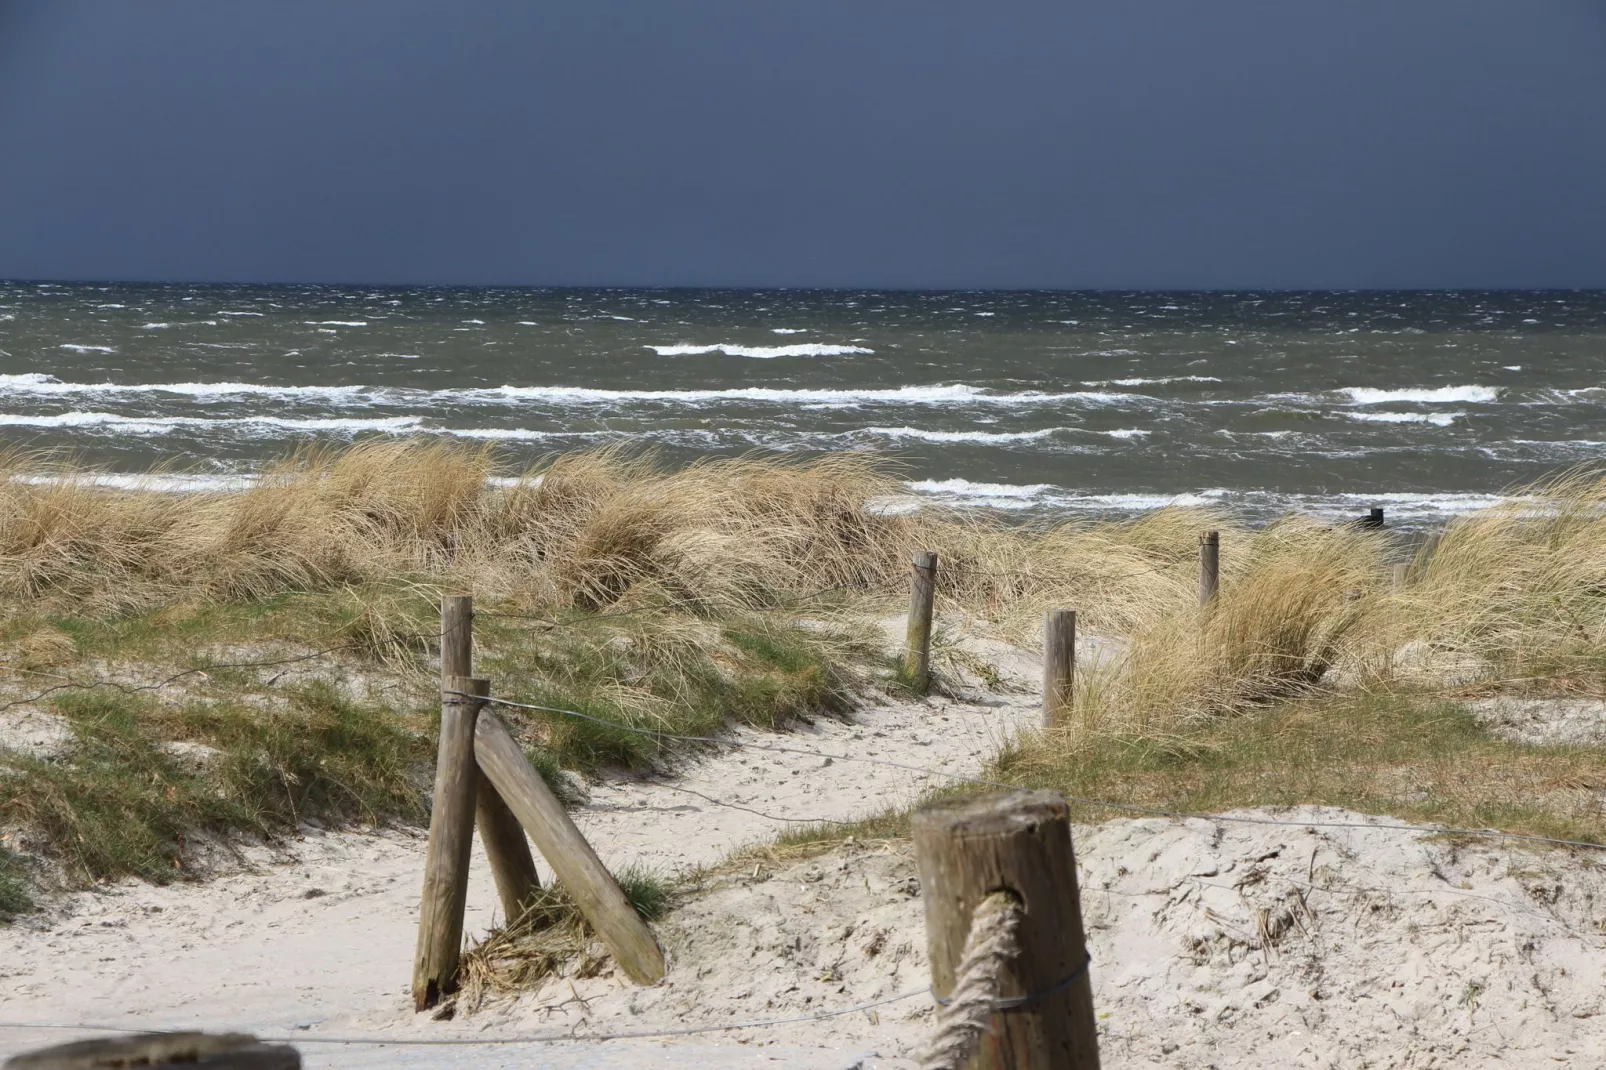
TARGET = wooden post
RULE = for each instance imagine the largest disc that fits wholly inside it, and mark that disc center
(1059, 664)
(217, 1051)
(451, 834)
(1401, 571)
(1209, 567)
(577, 866)
(922, 590)
(1019, 842)
(1373, 518)
(508, 851)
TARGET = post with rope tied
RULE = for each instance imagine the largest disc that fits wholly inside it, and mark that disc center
(1009, 961)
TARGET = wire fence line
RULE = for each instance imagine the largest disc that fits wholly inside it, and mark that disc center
(961, 778)
(572, 1034)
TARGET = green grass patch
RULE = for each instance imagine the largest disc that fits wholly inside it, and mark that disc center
(652, 674)
(121, 801)
(1413, 757)
(14, 896)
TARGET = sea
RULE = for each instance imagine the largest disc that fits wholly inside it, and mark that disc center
(1033, 404)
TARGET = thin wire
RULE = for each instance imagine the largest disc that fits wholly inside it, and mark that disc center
(549, 1038)
(133, 689)
(1080, 800)
(578, 621)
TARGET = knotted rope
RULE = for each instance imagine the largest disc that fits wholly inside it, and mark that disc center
(993, 942)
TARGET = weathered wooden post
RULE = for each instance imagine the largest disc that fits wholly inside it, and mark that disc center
(577, 866)
(214, 1051)
(922, 591)
(1209, 567)
(1373, 518)
(1400, 572)
(451, 835)
(1016, 842)
(506, 849)
(1059, 664)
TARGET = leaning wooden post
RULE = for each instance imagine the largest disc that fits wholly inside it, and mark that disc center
(579, 870)
(1017, 842)
(1209, 566)
(506, 849)
(922, 591)
(1059, 664)
(451, 834)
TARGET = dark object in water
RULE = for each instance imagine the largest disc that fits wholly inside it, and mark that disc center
(1373, 519)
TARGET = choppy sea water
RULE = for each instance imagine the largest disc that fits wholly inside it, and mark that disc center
(1039, 403)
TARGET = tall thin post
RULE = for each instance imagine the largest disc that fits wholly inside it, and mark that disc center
(506, 848)
(451, 835)
(1017, 842)
(1209, 566)
(922, 591)
(1059, 664)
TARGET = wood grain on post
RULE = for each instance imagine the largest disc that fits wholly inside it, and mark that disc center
(1209, 566)
(1400, 572)
(922, 592)
(1019, 842)
(217, 1051)
(1059, 665)
(451, 835)
(577, 866)
(505, 846)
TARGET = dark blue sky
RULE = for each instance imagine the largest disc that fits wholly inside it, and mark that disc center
(927, 143)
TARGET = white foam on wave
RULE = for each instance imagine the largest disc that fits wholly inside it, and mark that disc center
(164, 425)
(155, 326)
(1366, 395)
(1437, 419)
(336, 323)
(1126, 432)
(806, 349)
(39, 383)
(936, 394)
(788, 330)
(1154, 382)
(925, 435)
(242, 313)
(967, 489)
(77, 348)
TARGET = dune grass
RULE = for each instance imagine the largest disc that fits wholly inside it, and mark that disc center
(681, 599)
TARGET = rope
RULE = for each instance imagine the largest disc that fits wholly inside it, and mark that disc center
(991, 945)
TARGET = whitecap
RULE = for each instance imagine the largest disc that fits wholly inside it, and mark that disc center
(336, 323)
(1126, 432)
(968, 489)
(956, 436)
(1154, 382)
(76, 348)
(937, 394)
(162, 425)
(155, 326)
(788, 330)
(1437, 419)
(1366, 395)
(39, 383)
(807, 349)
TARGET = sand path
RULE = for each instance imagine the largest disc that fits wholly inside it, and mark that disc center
(318, 938)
